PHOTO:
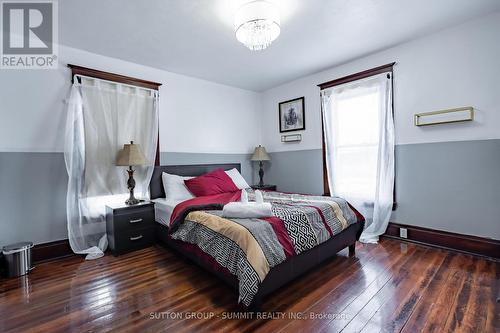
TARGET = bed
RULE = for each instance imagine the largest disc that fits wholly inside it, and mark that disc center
(278, 275)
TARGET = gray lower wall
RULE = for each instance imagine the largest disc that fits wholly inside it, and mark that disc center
(33, 191)
(298, 171)
(451, 186)
(32, 197)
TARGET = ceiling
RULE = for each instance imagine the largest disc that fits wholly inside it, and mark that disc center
(196, 37)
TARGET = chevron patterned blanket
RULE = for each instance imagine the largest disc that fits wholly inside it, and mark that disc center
(249, 248)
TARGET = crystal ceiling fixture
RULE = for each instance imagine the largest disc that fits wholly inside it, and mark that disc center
(257, 24)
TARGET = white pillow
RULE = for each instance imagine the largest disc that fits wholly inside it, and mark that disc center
(174, 187)
(237, 179)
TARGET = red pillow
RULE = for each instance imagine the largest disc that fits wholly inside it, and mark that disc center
(211, 183)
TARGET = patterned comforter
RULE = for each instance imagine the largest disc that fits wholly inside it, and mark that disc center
(249, 248)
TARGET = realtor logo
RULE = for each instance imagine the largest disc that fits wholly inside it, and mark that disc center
(29, 34)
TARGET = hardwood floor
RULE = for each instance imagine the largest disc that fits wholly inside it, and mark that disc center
(389, 287)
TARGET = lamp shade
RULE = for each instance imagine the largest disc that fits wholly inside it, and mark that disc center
(260, 154)
(130, 155)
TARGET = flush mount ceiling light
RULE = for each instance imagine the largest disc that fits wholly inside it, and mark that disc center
(257, 24)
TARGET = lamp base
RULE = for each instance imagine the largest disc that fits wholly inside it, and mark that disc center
(261, 174)
(131, 185)
(132, 201)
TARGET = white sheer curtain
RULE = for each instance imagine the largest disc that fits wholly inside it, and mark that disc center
(102, 116)
(359, 142)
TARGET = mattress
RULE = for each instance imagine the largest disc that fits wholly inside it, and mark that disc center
(164, 209)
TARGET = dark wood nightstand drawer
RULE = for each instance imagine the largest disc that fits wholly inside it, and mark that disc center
(134, 219)
(131, 240)
(130, 228)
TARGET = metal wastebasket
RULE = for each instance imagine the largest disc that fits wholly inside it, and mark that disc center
(17, 258)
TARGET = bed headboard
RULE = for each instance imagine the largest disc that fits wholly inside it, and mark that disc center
(156, 185)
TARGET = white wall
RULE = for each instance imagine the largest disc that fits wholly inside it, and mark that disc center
(444, 70)
(447, 177)
(455, 67)
(195, 115)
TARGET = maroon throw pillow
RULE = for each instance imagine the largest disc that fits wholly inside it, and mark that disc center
(215, 182)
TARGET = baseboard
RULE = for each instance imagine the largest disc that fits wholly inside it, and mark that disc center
(51, 250)
(464, 243)
(481, 246)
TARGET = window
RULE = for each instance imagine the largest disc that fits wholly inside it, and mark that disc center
(104, 111)
(355, 128)
(93, 73)
(353, 113)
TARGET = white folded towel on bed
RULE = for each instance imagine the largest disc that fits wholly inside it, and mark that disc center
(244, 196)
(259, 198)
(248, 210)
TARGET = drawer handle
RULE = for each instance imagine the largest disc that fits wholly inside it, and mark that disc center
(135, 238)
(135, 221)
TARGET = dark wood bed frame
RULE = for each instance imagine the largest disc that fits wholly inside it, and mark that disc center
(277, 276)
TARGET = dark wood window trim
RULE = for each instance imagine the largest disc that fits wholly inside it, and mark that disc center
(388, 68)
(79, 70)
(357, 76)
(90, 72)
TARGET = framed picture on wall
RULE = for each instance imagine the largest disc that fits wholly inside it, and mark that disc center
(292, 115)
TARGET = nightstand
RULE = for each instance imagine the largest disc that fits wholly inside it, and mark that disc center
(130, 228)
(265, 187)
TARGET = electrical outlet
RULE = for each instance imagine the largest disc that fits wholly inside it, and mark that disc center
(403, 232)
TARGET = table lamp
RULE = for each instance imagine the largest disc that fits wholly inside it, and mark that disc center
(131, 155)
(260, 155)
